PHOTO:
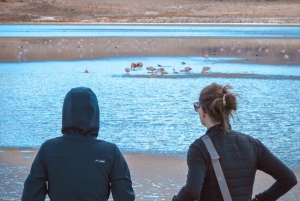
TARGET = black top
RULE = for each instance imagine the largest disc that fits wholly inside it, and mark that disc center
(77, 166)
(240, 157)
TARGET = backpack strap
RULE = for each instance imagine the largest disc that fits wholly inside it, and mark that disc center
(217, 167)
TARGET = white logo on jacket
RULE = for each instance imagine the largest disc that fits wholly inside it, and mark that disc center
(99, 161)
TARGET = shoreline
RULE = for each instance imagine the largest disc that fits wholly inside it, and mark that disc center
(155, 177)
(30, 152)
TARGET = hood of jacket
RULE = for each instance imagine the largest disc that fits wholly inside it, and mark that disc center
(80, 113)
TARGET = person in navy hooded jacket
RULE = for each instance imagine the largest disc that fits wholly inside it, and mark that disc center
(77, 166)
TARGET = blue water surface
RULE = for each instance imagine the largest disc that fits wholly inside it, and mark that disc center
(144, 113)
(140, 31)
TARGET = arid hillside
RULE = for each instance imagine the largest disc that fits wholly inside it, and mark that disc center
(146, 11)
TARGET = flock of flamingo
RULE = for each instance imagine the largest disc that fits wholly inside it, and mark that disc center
(205, 69)
(160, 69)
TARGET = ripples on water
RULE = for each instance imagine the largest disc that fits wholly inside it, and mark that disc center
(152, 114)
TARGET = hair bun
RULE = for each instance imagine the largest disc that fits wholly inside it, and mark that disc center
(220, 103)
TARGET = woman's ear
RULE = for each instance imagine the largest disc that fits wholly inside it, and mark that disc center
(202, 112)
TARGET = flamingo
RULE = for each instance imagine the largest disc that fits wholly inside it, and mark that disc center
(126, 46)
(206, 57)
(127, 70)
(284, 48)
(117, 45)
(151, 68)
(174, 71)
(239, 47)
(133, 66)
(108, 45)
(267, 50)
(187, 69)
(139, 64)
(161, 70)
(205, 70)
(232, 45)
(259, 49)
(222, 48)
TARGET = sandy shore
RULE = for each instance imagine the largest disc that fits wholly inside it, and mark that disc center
(265, 51)
(155, 177)
(154, 11)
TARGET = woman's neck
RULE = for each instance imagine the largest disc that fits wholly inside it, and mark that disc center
(209, 123)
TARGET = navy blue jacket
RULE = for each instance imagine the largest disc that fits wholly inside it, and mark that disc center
(240, 157)
(77, 166)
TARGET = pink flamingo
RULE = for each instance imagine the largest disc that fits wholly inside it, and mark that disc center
(139, 64)
(186, 70)
(133, 66)
(152, 69)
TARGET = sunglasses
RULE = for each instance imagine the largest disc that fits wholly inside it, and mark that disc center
(197, 105)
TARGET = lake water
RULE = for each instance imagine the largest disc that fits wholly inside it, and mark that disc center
(138, 31)
(143, 113)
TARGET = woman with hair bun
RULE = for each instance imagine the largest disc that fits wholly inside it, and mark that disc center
(240, 155)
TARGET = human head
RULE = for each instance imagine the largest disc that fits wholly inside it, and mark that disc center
(219, 103)
(80, 113)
